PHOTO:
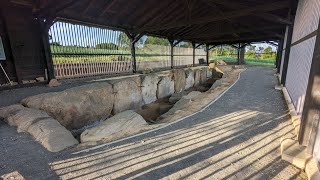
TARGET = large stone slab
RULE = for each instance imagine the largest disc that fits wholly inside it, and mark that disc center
(23, 119)
(197, 77)
(44, 129)
(76, 107)
(209, 73)
(7, 111)
(118, 126)
(183, 103)
(127, 94)
(203, 76)
(179, 77)
(175, 97)
(189, 78)
(165, 85)
(52, 135)
(149, 87)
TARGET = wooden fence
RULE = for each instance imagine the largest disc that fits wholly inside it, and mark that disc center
(86, 69)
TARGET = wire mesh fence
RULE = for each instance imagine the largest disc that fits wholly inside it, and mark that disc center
(183, 54)
(80, 50)
(153, 53)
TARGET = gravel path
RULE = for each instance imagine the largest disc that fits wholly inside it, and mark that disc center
(238, 137)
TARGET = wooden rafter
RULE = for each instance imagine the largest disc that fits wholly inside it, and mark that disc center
(233, 14)
(267, 16)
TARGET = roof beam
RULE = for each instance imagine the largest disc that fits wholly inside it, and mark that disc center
(233, 14)
(266, 16)
(236, 31)
(56, 7)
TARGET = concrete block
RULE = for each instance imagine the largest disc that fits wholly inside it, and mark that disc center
(293, 153)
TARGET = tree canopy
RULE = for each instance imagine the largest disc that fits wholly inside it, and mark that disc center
(107, 46)
(156, 41)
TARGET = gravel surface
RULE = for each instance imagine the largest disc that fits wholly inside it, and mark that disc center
(237, 137)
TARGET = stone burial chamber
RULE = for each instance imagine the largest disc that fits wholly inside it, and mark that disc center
(112, 102)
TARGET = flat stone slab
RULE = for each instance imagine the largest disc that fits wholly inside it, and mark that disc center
(294, 153)
(118, 126)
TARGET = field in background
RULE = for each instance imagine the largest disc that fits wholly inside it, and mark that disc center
(249, 61)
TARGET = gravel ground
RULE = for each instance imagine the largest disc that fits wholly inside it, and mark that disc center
(237, 137)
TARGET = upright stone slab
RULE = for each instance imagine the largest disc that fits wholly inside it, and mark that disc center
(179, 77)
(127, 94)
(189, 78)
(197, 76)
(149, 86)
(203, 76)
(165, 85)
(76, 107)
(209, 73)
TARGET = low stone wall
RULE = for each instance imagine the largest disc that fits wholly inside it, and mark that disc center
(79, 106)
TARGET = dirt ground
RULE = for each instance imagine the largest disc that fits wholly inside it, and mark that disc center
(237, 137)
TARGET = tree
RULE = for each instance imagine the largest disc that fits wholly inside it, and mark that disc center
(107, 46)
(251, 51)
(268, 53)
(156, 41)
(186, 45)
(123, 40)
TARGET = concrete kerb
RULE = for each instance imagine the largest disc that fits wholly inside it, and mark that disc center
(164, 126)
(291, 150)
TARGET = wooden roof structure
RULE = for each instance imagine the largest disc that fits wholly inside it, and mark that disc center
(201, 21)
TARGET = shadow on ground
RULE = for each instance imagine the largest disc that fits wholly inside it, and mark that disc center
(237, 137)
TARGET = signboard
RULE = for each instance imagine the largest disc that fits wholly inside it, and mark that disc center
(2, 54)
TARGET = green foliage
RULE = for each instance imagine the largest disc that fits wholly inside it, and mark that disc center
(55, 44)
(107, 46)
(156, 41)
(186, 45)
(86, 50)
(123, 40)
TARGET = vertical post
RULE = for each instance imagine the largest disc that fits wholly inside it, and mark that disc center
(207, 53)
(242, 53)
(238, 53)
(287, 47)
(133, 39)
(44, 28)
(286, 54)
(311, 110)
(193, 53)
(171, 51)
(279, 55)
(133, 55)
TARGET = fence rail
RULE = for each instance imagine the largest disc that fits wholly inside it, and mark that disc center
(84, 69)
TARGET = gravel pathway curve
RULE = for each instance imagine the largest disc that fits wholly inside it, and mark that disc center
(237, 137)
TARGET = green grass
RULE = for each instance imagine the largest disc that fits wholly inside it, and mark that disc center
(249, 61)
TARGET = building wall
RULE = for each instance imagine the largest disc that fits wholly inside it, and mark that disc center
(22, 35)
(302, 48)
